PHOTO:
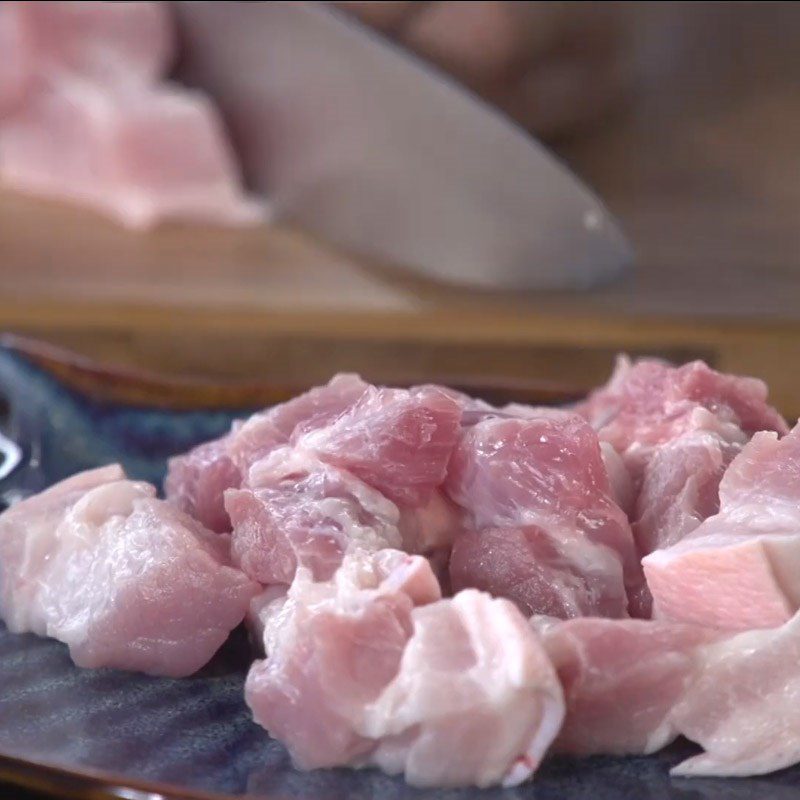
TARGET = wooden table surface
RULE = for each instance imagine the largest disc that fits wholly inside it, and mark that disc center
(703, 170)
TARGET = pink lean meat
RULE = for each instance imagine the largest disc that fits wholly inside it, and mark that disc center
(621, 680)
(368, 480)
(743, 707)
(741, 568)
(676, 429)
(196, 481)
(300, 510)
(396, 440)
(546, 531)
(631, 686)
(371, 668)
(649, 402)
(86, 116)
(680, 486)
(124, 579)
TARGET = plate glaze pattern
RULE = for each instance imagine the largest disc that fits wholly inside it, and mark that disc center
(195, 735)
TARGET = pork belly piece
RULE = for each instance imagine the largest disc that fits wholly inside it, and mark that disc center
(546, 531)
(740, 569)
(196, 481)
(124, 579)
(298, 510)
(92, 121)
(744, 707)
(371, 668)
(649, 402)
(622, 680)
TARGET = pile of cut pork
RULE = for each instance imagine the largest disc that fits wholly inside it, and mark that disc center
(450, 591)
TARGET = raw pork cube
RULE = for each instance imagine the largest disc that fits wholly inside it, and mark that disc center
(28, 540)
(287, 422)
(368, 480)
(649, 402)
(547, 531)
(124, 579)
(304, 512)
(399, 441)
(742, 708)
(741, 568)
(680, 488)
(111, 43)
(621, 680)
(331, 649)
(475, 700)
(372, 668)
(196, 481)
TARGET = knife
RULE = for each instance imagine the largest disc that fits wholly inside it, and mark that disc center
(363, 144)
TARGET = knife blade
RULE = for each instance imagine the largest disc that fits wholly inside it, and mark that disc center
(364, 145)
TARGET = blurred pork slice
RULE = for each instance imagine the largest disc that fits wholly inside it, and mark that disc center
(86, 116)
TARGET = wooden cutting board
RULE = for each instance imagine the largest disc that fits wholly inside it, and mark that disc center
(243, 304)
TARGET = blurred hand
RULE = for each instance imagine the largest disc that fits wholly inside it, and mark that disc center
(552, 66)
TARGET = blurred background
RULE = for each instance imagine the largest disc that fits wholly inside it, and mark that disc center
(683, 117)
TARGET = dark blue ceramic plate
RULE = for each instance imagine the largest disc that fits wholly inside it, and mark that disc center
(101, 733)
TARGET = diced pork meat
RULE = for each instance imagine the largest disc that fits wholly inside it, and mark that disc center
(366, 477)
(547, 531)
(27, 540)
(631, 686)
(258, 436)
(196, 481)
(297, 510)
(331, 649)
(563, 578)
(676, 429)
(84, 116)
(743, 708)
(622, 680)
(124, 579)
(139, 156)
(475, 700)
(371, 668)
(680, 487)
(649, 402)
(741, 568)
(396, 440)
